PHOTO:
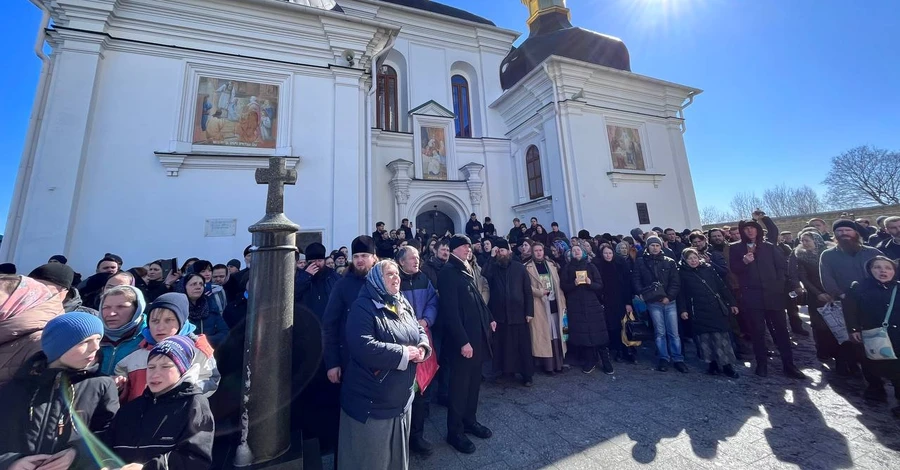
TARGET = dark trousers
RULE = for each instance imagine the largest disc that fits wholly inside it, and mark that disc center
(465, 384)
(793, 313)
(757, 320)
(512, 350)
(420, 412)
(588, 355)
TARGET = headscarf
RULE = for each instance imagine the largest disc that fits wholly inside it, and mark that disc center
(806, 255)
(375, 278)
(115, 334)
(561, 245)
(571, 256)
(620, 247)
(27, 295)
(200, 310)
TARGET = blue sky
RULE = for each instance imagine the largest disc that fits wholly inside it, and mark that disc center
(787, 83)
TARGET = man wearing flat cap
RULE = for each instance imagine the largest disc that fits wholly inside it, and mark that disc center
(468, 327)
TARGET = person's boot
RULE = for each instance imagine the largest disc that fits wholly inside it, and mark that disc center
(419, 445)
(793, 372)
(681, 367)
(713, 368)
(663, 365)
(631, 355)
(730, 372)
(588, 367)
(607, 363)
(762, 369)
(842, 368)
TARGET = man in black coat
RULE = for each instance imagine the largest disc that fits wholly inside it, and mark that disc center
(891, 245)
(313, 285)
(473, 228)
(514, 233)
(468, 326)
(512, 308)
(432, 268)
(761, 269)
(673, 243)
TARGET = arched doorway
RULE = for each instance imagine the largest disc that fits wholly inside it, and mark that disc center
(435, 221)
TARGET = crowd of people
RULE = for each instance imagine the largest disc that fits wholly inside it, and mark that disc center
(148, 361)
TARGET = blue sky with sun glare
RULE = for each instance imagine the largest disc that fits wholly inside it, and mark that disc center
(787, 84)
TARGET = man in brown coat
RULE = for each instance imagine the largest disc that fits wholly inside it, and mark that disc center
(547, 345)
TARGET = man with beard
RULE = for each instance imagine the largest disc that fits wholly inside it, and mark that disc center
(761, 271)
(512, 309)
(714, 258)
(881, 234)
(467, 340)
(674, 244)
(531, 230)
(891, 245)
(839, 267)
(313, 285)
(343, 294)
(432, 268)
(418, 290)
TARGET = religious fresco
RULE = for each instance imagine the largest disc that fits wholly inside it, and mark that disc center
(625, 148)
(235, 113)
(434, 153)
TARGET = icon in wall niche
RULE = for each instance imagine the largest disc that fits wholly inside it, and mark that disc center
(434, 153)
(234, 113)
(625, 148)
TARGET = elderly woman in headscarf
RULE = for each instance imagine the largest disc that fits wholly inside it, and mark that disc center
(804, 263)
(385, 343)
(25, 307)
(558, 250)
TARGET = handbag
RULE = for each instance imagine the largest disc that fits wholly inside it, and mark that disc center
(636, 330)
(876, 340)
(725, 309)
(426, 371)
(655, 291)
(833, 316)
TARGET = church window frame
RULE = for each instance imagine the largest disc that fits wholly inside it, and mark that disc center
(533, 172)
(462, 105)
(387, 102)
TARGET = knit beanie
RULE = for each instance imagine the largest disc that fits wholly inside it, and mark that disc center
(176, 302)
(56, 273)
(459, 240)
(363, 244)
(67, 330)
(315, 251)
(652, 240)
(844, 223)
(180, 349)
(59, 259)
(234, 263)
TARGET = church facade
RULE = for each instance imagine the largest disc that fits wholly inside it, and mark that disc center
(151, 118)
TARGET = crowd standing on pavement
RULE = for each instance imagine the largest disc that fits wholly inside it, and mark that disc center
(147, 361)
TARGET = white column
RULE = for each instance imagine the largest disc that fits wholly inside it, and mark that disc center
(348, 192)
(51, 204)
(400, 180)
(474, 182)
(683, 176)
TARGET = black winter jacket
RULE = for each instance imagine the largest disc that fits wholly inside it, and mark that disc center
(762, 281)
(314, 291)
(36, 419)
(171, 431)
(587, 319)
(866, 304)
(511, 299)
(700, 287)
(334, 322)
(463, 316)
(432, 268)
(651, 268)
(378, 383)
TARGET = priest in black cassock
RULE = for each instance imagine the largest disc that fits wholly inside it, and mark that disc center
(512, 308)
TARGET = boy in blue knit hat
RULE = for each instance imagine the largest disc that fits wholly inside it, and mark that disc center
(41, 430)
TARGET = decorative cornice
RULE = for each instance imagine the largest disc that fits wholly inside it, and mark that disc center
(618, 176)
(175, 162)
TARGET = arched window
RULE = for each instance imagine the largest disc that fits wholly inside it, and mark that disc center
(533, 169)
(461, 106)
(386, 107)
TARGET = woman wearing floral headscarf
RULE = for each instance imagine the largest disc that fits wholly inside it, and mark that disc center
(25, 307)
(385, 343)
(805, 260)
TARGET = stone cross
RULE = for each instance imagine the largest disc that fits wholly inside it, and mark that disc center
(276, 176)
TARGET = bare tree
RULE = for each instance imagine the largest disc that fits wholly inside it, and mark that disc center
(864, 175)
(712, 215)
(744, 203)
(782, 201)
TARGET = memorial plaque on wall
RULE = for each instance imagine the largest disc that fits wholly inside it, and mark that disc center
(305, 238)
(643, 213)
(221, 227)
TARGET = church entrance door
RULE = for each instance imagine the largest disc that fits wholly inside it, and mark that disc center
(435, 222)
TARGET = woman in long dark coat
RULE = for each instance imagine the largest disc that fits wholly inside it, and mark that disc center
(581, 282)
(805, 260)
(616, 298)
(707, 302)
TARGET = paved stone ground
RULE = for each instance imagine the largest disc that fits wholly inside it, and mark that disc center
(642, 418)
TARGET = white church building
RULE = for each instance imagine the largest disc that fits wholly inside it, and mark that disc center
(151, 117)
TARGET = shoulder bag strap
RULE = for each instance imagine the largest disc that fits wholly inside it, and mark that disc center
(887, 316)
